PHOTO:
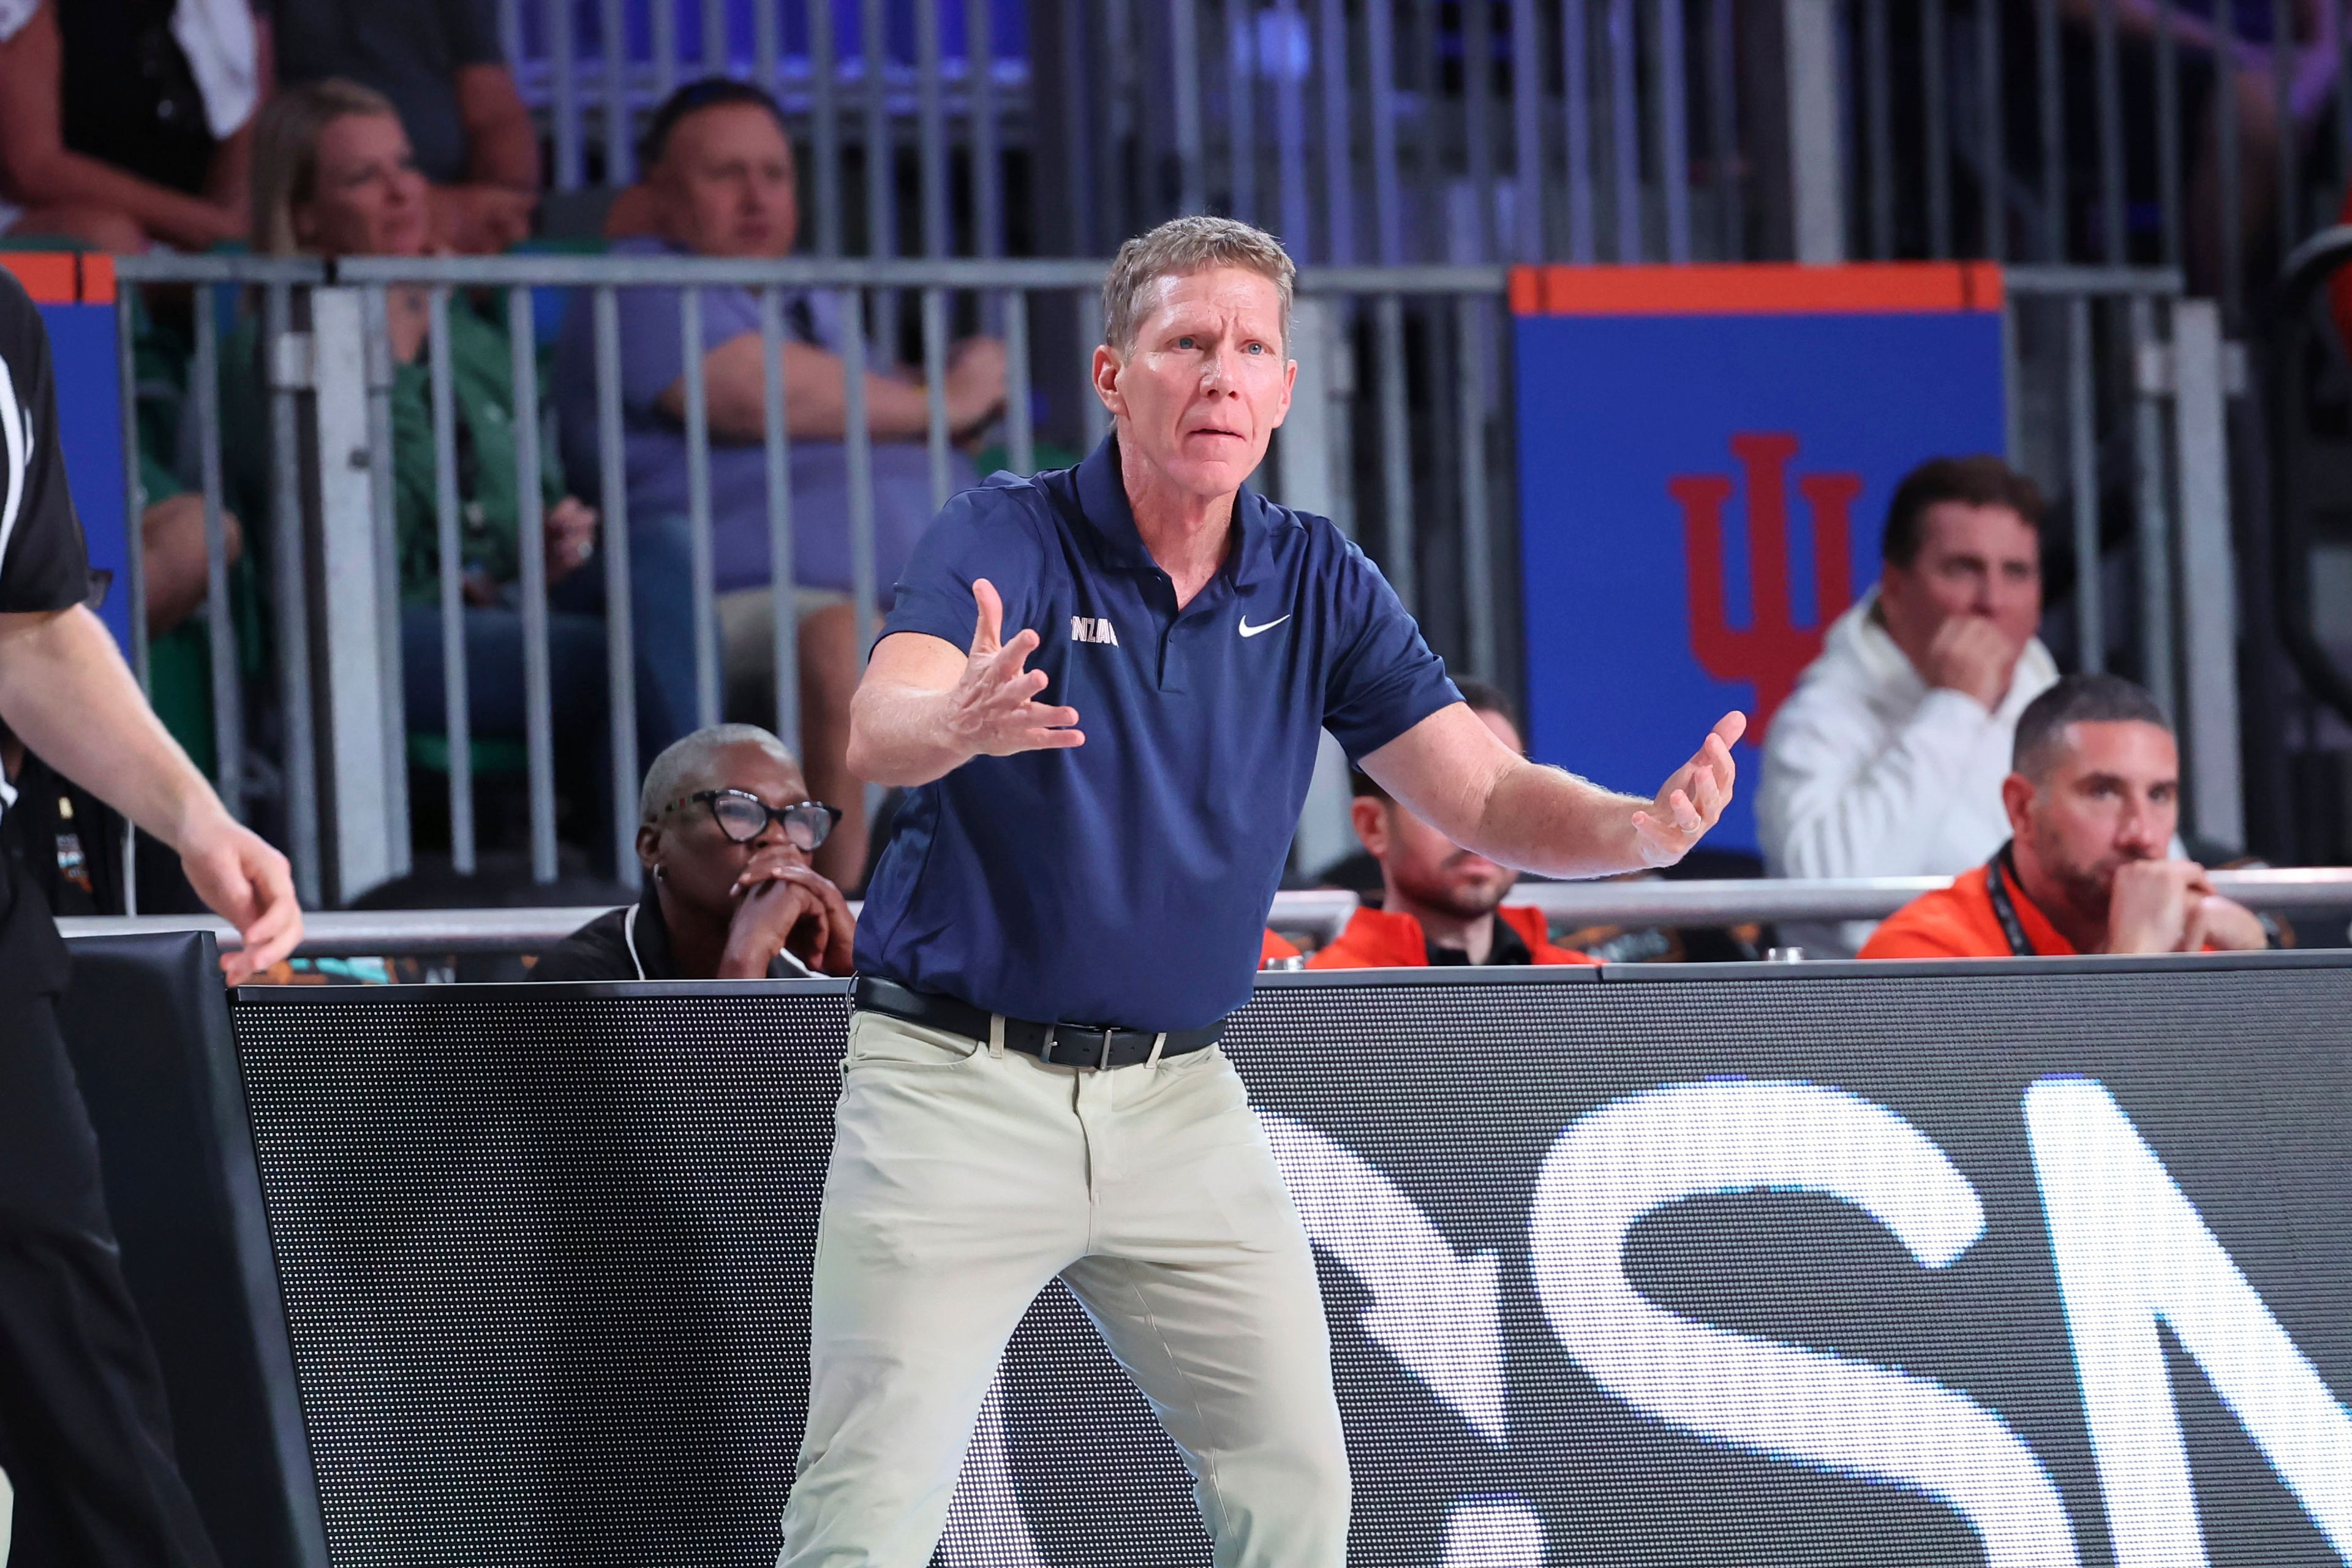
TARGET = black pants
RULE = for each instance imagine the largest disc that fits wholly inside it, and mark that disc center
(85, 1436)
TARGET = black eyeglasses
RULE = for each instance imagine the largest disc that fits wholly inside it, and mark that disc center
(743, 816)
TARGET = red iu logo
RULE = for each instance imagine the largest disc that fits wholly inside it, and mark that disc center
(1772, 650)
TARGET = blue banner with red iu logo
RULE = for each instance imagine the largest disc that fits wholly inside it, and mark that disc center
(1705, 455)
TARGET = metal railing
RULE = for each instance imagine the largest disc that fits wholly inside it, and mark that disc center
(1319, 914)
(1423, 131)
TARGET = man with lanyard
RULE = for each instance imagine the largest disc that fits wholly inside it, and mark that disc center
(1073, 901)
(2091, 802)
(83, 1431)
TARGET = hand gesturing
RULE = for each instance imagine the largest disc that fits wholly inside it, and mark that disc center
(1692, 801)
(992, 710)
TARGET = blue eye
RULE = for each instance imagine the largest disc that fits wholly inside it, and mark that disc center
(1187, 340)
(1257, 348)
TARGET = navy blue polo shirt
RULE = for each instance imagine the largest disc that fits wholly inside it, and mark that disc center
(1127, 880)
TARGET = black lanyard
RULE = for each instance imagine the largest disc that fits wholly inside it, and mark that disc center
(1997, 871)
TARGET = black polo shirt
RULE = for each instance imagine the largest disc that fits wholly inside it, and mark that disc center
(1127, 880)
(632, 942)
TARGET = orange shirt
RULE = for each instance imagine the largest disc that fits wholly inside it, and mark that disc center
(1376, 939)
(1959, 922)
(1275, 948)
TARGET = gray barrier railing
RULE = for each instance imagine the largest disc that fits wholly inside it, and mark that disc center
(1400, 430)
(1578, 131)
(1319, 914)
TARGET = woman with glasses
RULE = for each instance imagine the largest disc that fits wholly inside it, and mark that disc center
(726, 829)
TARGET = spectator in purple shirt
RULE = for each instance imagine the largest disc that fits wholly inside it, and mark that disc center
(720, 182)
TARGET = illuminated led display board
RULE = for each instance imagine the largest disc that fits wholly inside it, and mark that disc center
(2039, 1263)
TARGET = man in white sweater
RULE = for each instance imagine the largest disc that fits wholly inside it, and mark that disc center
(1887, 759)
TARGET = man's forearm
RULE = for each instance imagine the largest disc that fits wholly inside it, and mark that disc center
(816, 406)
(65, 692)
(1551, 822)
(899, 735)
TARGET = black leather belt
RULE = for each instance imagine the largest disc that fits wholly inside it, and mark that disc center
(1063, 1045)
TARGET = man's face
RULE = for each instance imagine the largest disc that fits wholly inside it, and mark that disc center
(2112, 796)
(725, 185)
(1973, 561)
(1429, 867)
(699, 862)
(1205, 384)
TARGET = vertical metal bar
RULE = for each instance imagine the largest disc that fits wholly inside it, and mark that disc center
(1078, 133)
(1396, 454)
(456, 722)
(1240, 145)
(987, 161)
(665, 47)
(620, 610)
(1477, 527)
(1992, 150)
(2168, 130)
(2011, 377)
(1429, 157)
(1388, 194)
(1090, 333)
(1526, 135)
(2342, 110)
(1125, 138)
(935, 392)
(1290, 131)
(220, 616)
(564, 93)
(881, 188)
(1879, 118)
(2053, 129)
(1184, 65)
(698, 507)
(1338, 144)
(2112, 239)
(2154, 543)
(511, 29)
(399, 836)
(1939, 131)
(932, 127)
(824, 125)
(2208, 650)
(2234, 203)
(1723, 128)
(134, 491)
(714, 37)
(291, 587)
(1674, 128)
(531, 531)
(1478, 119)
(766, 46)
(620, 157)
(1019, 438)
(1576, 76)
(859, 445)
(2283, 59)
(1624, 133)
(776, 436)
(2083, 450)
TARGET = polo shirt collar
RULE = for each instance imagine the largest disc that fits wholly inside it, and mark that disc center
(1102, 496)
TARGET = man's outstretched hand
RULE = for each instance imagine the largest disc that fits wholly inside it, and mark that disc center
(248, 884)
(994, 711)
(1692, 801)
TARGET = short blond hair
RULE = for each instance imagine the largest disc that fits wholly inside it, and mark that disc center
(286, 152)
(1180, 247)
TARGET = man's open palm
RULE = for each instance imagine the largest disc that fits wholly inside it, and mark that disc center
(1692, 801)
(994, 708)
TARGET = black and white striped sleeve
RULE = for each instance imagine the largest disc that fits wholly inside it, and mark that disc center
(44, 564)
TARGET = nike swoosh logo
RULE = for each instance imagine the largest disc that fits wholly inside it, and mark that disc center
(1250, 631)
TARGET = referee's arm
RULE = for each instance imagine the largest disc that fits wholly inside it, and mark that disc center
(925, 706)
(1452, 771)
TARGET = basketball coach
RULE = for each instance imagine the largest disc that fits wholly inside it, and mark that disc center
(1071, 903)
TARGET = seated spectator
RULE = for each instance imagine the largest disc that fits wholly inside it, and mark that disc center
(2091, 802)
(1440, 904)
(727, 829)
(440, 64)
(720, 182)
(1887, 759)
(127, 121)
(332, 177)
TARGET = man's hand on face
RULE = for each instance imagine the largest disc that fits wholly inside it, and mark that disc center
(1972, 656)
(1692, 801)
(2169, 906)
(991, 711)
(786, 905)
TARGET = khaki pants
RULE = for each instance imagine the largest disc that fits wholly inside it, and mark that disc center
(962, 1180)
